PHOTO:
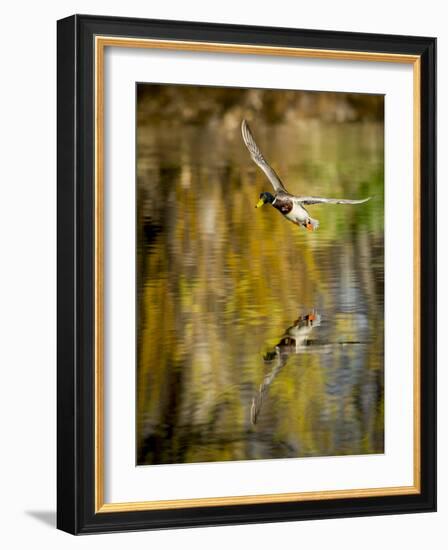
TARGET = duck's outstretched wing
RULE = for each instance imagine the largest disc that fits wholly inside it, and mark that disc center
(258, 158)
(322, 200)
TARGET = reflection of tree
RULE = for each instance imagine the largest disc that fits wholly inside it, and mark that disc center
(216, 282)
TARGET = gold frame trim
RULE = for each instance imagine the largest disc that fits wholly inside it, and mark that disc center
(101, 42)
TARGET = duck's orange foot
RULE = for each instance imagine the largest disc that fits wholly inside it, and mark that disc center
(309, 227)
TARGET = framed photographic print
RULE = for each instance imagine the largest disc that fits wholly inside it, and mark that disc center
(246, 274)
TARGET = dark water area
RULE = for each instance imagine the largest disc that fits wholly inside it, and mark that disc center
(257, 339)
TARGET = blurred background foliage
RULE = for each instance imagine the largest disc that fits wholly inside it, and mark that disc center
(219, 282)
(198, 105)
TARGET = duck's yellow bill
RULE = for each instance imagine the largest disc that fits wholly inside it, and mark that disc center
(260, 203)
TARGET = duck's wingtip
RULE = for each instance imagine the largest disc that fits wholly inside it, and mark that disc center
(245, 131)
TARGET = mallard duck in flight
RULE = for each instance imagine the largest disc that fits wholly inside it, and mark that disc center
(292, 207)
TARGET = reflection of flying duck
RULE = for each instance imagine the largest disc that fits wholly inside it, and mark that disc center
(295, 340)
(296, 336)
(290, 206)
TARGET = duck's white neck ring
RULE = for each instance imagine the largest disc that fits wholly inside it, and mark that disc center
(273, 202)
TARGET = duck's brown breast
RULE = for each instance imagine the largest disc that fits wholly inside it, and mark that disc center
(283, 205)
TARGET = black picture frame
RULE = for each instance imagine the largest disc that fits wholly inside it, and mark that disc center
(76, 273)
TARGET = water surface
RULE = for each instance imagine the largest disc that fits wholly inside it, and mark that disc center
(225, 371)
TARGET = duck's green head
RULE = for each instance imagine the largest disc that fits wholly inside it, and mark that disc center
(265, 198)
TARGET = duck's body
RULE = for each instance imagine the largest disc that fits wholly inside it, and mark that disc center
(290, 206)
(293, 210)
